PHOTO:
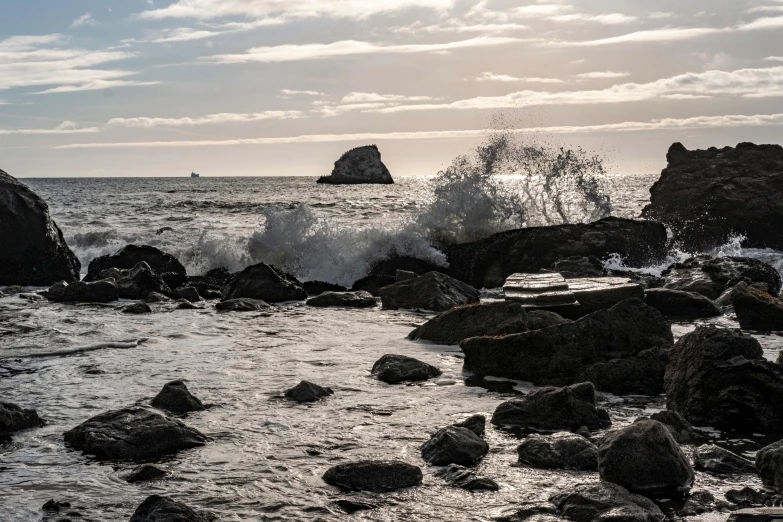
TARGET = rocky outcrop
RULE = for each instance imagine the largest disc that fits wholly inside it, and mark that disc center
(462, 322)
(431, 291)
(559, 451)
(603, 502)
(14, 418)
(359, 299)
(394, 369)
(609, 346)
(161, 509)
(756, 310)
(176, 397)
(264, 282)
(679, 305)
(33, 252)
(81, 291)
(464, 478)
(454, 445)
(307, 391)
(488, 262)
(769, 462)
(244, 304)
(384, 273)
(711, 277)
(132, 434)
(130, 256)
(373, 475)
(718, 377)
(644, 458)
(707, 196)
(359, 165)
(137, 282)
(721, 461)
(554, 409)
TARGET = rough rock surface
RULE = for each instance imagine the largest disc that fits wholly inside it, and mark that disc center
(81, 291)
(769, 462)
(462, 477)
(359, 299)
(384, 273)
(644, 458)
(554, 409)
(244, 304)
(677, 304)
(431, 291)
(707, 196)
(145, 473)
(306, 391)
(213, 280)
(33, 250)
(462, 322)
(678, 426)
(605, 502)
(314, 288)
(394, 369)
(161, 509)
(155, 297)
(453, 445)
(359, 165)
(187, 292)
(579, 266)
(475, 423)
(14, 418)
(711, 277)
(130, 256)
(264, 282)
(176, 397)
(137, 282)
(721, 461)
(718, 377)
(137, 308)
(373, 475)
(757, 514)
(756, 310)
(559, 451)
(132, 434)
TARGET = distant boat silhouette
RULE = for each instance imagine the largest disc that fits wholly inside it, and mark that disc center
(193, 175)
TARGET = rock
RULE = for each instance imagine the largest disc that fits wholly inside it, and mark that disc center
(264, 282)
(244, 304)
(709, 196)
(598, 293)
(155, 297)
(554, 409)
(54, 506)
(214, 280)
(404, 275)
(132, 434)
(676, 304)
(718, 377)
(359, 165)
(453, 445)
(137, 282)
(394, 369)
(384, 273)
(605, 502)
(568, 353)
(358, 299)
(314, 288)
(644, 458)
(211, 294)
(373, 475)
(542, 291)
(488, 262)
(579, 266)
(462, 322)
(749, 497)
(560, 451)
(475, 423)
(174, 279)
(306, 391)
(711, 277)
(431, 291)
(699, 502)
(756, 310)
(130, 256)
(175, 397)
(678, 426)
(187, 292)
(14, 418)
(34, 252)
(145, 473)
(461, 477)
(137, 308)
(161, 509)
(539, 319)
(769, 462)
(184, 304)
(352, 506)
(720, 461)
(80, 291)
(760, 514)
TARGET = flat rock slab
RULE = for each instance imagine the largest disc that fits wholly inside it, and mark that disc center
(547, 291)
(761, 514)
(597, 293)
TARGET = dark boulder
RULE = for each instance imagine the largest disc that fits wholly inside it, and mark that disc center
(55, 506)
(373, 475)
(676, 304)
(700, 501)
(213, 280)
(174, 279)
(394, 369)
(155, 297)
(130, 256)
(359, 165)
(757, 514)
(640, 374)
(559, 451)
(186, 292)
(538, 319)
(145, 473)
(755, 309)
(384, 273)
(605, 502)
(721, 461)
(34, 252)
(709, 196)
(554, 409)
(359, 299)
(184, 304)
(769, 462)
(132, 434)
(678, 426)
(137, 282)
(14, 418)
(137, 308)
(475, 423)
(718, 377)
(264, 282)
(579, 266)
(431, 291)
(244, 304)
(161, 509)
(176, 397)
(314, 288)
(80, 291)
(464, 478)
(306, 391)
(462, 322)
(453, 445)
(711, 277)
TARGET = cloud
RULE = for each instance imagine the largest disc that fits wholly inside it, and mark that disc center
(287, 93)
(492, 77)
(208, 30)
(26, 43)
(95, 85)
(224, 117)
(602, 74)
(66, 127)
(774, 58)
(606, 19)
(365, 97)
(85, 19)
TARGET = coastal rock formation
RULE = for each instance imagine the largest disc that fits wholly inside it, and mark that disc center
(214, 280)
(721, 461)
(454, 445)
(33, 249)
(161, 509)
(358, 299)
(384, 273)
(707, 196)
(432, 291)
(306, 391)
(264, 282)
(373, 475)
(314, 288)
(81, 291)
(475, 423)
(769, 462)
(711, 277)
(14, 418)
(579, 266)
(462, 322)
(488, 262)
(394, 369)
(176, 397)
(559, 451)
(464, 478)
(137, 282)
(604, 501)
(676, 304)
(359, 165)
(756, 310)
(130, 256)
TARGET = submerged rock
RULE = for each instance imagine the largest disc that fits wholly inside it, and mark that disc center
(454, 445)
(132, 434)
(244, 304)
(264, 282)
(81, 291)
(176, 397)
(55, 506)
(699, 502)
(306, 391)
(559, 451)
(604, 502)
(721, 461)
(14, 418)
(161, 509)
(358, 299)
(373, 475)
(676, 304)
(462, 477)
(34, 251)
(146, 473)
(769, 462)
(137, 308)
(431, 291)
(359, 165)
(462, 322)
(137, 282)
(711, 277)
(394, 369)
(756, 310)
(128, 257)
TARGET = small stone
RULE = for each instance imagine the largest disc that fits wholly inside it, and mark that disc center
(244, 304)
(394, 369)
(137, 308)
(351, 506)
(306, 391)
(175, 397)
(54, 506)
(461, 477)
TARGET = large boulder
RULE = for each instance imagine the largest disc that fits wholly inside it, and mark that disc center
(769, 462)
(384, 273)
(488, 262)
(554, 409)
(755, 309)
(81, 291)
(130, 256)
(720, 461)
(644, 458)
(33, 249)
(559, 451)
(161, 509)
(394, 369)
(137, 282)
(373, 475)
(359, 165)
(608, 345)
(132, 434)
(718, 377)
(265, 283)
(462, 322)
(454, 445)
(431, 291)
(676, 304)
(176, 397)
(14, 418)
(711, 277)
(605, 502)
(359, 299)
(708, 196)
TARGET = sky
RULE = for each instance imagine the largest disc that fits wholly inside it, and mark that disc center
(278, 88)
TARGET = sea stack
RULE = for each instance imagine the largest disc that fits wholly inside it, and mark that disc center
(359, 165)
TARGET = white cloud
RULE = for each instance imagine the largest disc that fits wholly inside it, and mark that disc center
(602, 74)
(66, 127)
(492, 77)
(287, 93)
(26, 43)
(774, 58)
(85, 19)
(365, 97)
(95, 85)
(606, 19)
(224, 117)
(207, 30)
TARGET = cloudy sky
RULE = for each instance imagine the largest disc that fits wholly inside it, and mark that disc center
(273, 87)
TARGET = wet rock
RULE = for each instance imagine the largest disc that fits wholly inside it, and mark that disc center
(14, 418)
(358, 299)
(721, 461)
(146, 473)
(559, 451)
(163, 229)
(244, 304)
(604, 501)
(137, 282)
(755, 309)
(184, 304)
(80, 291)
(176, 397)
(678, 426)
(769, 462)
(598, 293)
(187, 292)
(394, 369)
(699, 502)
(54, 506)
(314, 288)
(404, 275)
(718, 377)
(213, 281)
(132, 434)
(161, 509)
(554, 409)
(453, 445)
(644, 458)
(34, 251)
(543, 291)
(352, 506)
(264, 282)
(566, 354)
(431, 291)
(579, 266)
(174, 279)
(211, 294)
(475, 423)
(462, 322)
(539, 319)
(464, 478)
(137, 308)
(130, 256)
(359, 165)
(749, 497)
(306, 391)
(373, 475)
(676, 304)
(762, 514)
(155, 297)
(711, 277)
(384, 273)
